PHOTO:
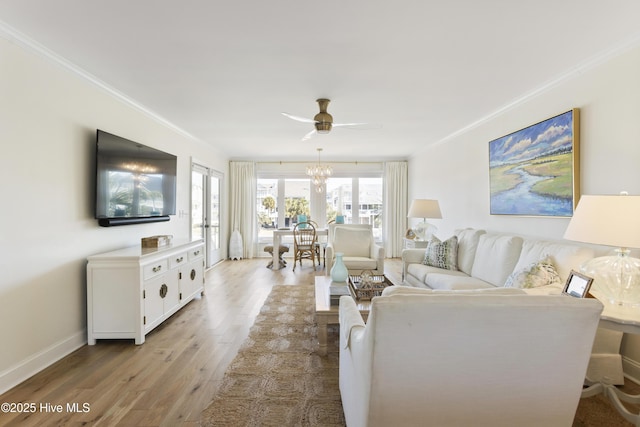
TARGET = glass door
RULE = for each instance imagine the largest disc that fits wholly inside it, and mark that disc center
(214, 252)
(206, 187)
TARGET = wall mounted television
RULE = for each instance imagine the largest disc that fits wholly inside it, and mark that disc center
(134, 183)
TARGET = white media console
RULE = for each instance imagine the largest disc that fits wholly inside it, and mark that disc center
(131, 291)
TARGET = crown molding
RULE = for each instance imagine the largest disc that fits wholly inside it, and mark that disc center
(587, 65)
(16, 37)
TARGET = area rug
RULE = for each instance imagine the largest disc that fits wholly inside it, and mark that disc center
(277, 378)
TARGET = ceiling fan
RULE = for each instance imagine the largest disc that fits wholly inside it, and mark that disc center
(323, 121)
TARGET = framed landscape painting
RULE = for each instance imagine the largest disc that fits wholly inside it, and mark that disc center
(535, 171)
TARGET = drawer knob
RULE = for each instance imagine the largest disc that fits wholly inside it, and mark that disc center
(180, 259)
(156, 269)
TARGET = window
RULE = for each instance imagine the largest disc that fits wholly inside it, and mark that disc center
(267, 208)
(370, 204)
(339, 199)
(365, 193)
(279, 203)
(283, 192)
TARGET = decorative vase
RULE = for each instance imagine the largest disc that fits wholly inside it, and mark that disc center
(339, 272)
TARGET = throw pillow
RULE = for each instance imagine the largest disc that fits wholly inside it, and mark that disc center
(537, 274)
(442, 254)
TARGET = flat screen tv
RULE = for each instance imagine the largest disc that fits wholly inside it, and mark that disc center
(134, 183)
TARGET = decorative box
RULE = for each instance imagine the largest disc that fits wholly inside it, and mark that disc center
(156, 241)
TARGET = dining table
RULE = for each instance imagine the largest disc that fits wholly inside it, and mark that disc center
(279, 233)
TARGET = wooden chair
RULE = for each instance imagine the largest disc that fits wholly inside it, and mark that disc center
(304, 240)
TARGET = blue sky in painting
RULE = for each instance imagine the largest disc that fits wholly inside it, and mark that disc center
(531, 142)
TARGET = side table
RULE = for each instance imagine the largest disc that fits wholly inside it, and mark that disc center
(414, 244)
(627, 320)
(327, 314)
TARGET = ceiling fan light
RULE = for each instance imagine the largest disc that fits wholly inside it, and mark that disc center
(323, 127)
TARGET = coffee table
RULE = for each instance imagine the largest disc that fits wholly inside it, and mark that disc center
(327, 314)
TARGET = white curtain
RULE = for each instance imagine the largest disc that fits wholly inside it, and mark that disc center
(243, 203)
(395, 207)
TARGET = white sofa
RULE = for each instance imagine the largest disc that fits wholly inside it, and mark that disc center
(523, 365)
(486, 260)
(358, 246)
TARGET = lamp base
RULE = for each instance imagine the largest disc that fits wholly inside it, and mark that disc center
(616, 277)
(424, 231)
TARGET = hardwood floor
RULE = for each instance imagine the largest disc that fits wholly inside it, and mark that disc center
(173, 376)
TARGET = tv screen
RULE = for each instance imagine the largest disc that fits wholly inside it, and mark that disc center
(133, 181)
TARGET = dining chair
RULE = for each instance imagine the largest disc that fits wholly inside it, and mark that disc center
(304, 240)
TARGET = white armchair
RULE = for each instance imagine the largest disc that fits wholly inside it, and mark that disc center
(357, 243)
(493, 357)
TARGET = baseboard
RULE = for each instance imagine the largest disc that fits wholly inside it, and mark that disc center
(631, 369)
(39, 361)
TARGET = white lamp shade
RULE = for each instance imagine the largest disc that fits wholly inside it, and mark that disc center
(424, 208)
(606, 220)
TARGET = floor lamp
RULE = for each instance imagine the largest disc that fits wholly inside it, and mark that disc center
(424, 208)
(610, 221)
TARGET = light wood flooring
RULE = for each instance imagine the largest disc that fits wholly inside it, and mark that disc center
(173, 376)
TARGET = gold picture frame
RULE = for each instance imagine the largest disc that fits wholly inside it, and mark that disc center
(535, 171)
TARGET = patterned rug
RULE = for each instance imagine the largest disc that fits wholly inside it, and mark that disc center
(277, 378)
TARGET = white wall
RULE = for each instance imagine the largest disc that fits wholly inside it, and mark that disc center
(48, 120)
(456, 172)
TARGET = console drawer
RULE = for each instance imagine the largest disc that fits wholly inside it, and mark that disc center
(155, 269)
(178, 259)
(195, 254)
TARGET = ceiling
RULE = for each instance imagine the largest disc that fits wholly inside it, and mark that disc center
(223, 71)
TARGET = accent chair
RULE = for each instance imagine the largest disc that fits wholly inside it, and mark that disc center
(495, 357)
(358, 245)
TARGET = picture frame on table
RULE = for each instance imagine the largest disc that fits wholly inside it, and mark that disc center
(410, 235)
(577, 285)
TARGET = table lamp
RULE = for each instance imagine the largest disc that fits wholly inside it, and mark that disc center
(424, 208)
(610, 221)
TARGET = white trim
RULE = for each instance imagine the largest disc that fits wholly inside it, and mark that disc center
(14, 36)
(41, 360)
(577, 70)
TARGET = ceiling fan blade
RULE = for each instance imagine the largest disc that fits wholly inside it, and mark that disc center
(362, 126)
(298, 118)
(309, 135)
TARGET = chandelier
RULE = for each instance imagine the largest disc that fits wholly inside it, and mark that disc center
(319, 173)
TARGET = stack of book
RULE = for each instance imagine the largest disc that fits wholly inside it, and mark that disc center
(336, 290)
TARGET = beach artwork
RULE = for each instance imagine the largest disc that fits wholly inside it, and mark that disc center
(534, 171)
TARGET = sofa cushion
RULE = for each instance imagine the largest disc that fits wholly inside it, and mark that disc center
(421, 271)
(446, 280)
(404, 290)
(565, 257)
(496, 257)
(541, 273)
(355, 242)
(442, 254)
(360, 263)
(467, 245)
